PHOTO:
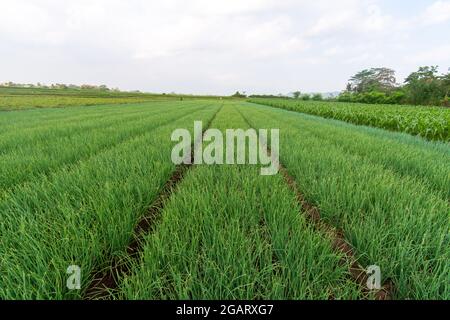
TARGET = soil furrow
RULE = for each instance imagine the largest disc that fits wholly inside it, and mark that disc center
(105, 282)
(339, 243)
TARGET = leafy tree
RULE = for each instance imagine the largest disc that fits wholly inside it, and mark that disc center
(446, 84)
(264, 96)
(397, 97)
(296, 94)
(306, 97)
(345, 96)
(317, 97)
(424, 73)
(424, 86)
(348, 87)
(445, 79)
(239, 95)
(378, 85)
(375, 79)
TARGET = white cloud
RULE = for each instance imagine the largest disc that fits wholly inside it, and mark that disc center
(438, 12)
(230, 7)
(437, 55)
(350, 17)
(210, 46)
(19, 19)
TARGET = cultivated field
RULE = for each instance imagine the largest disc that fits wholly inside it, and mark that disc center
(95, 187)
(30, 98)
(432, 123)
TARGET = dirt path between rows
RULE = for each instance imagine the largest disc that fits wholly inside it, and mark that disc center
(339, 243)
(106, 281)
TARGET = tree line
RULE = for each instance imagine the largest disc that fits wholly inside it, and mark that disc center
(426, 86)
(294, 95)
(58, 86)
(379, 85)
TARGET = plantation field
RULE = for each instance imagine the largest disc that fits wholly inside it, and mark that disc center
(27, 98)
(51, 101)
(75, 183)
(432, 123)
(372, 184)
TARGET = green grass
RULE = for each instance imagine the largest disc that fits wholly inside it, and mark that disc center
(432, 123)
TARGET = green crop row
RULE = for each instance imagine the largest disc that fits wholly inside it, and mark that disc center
(75, 182)
(432, 123)
(28, 153)
(32, 119)
(376, 186)
(230, 233)
(85, 213)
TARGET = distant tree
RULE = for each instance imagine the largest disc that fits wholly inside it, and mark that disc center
(424, 86)
(296, 94)
(317, 97)
(86, 86)
(375, 79)
(239, 95)
(345, 96)
(348, 87)
(264, 96)
(361, 81)
(59, 86)
(424, 73)
(385, 78)
(306, 97)
(397, 97)
(446, 84)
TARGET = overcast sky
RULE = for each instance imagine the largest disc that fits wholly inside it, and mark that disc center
(219, 46)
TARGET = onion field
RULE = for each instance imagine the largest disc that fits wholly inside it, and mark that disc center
(95, 187)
